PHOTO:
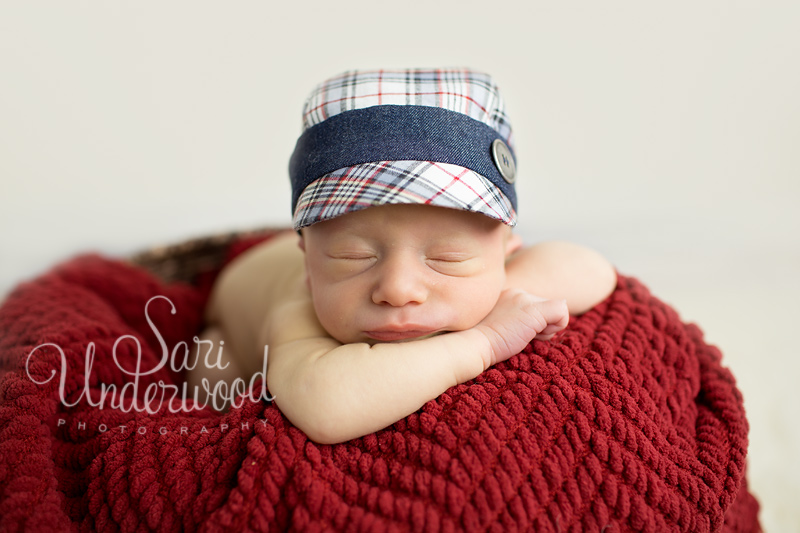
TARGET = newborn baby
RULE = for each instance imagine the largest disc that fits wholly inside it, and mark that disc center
(403, 277)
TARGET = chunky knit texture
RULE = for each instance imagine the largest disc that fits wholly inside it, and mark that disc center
(625, 421)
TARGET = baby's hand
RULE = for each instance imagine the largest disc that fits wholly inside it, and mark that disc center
(517, 318)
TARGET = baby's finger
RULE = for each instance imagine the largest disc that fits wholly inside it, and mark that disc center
(552, 329)
(555, 314)
(537, 298)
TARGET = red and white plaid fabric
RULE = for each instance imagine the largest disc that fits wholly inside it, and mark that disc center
(394, 182)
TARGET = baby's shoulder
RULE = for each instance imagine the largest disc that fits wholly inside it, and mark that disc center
(558, 269)
(273, 258)
(258, 278)
(282, 248)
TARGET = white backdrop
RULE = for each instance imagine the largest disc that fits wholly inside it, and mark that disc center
(666, 136)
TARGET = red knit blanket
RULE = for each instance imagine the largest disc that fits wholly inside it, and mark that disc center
(625, 421)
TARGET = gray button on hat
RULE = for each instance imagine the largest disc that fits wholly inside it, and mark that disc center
(504, 161)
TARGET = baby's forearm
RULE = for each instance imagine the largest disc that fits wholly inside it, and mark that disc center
(337, 392)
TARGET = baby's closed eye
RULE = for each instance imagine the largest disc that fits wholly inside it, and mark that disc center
(353, 256)
(454, 263)
(351, 250)
(346, 262)
(453, 257)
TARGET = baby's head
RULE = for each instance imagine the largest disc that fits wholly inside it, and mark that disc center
(403, 195)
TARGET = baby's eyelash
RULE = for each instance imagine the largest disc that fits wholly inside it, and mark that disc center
(450, 258)
(352, 257)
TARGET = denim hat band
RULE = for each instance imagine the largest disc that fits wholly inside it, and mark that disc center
(431, 142)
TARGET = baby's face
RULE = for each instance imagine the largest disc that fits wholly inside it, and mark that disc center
(399, 272)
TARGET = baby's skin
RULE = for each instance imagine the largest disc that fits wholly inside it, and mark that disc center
(371, 314)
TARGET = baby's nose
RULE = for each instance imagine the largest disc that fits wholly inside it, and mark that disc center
(400, 283)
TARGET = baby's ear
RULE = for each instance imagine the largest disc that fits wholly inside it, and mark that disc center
(513, 243)
(302, 244)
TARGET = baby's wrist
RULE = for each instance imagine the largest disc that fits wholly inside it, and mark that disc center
(473, 354)
(489, 353)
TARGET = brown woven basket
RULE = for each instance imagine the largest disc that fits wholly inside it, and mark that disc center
(185, 260)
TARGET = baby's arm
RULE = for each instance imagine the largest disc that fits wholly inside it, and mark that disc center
(562, 270)
(226, 369)
(336, 392)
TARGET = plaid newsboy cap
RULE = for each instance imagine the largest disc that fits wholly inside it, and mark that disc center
(423, 136)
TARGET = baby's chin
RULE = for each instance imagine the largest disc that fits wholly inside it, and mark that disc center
(365, 339)
(372, 342)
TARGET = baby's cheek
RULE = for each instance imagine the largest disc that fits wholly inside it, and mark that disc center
(473, 307)
(487, 296)
(336, 313)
